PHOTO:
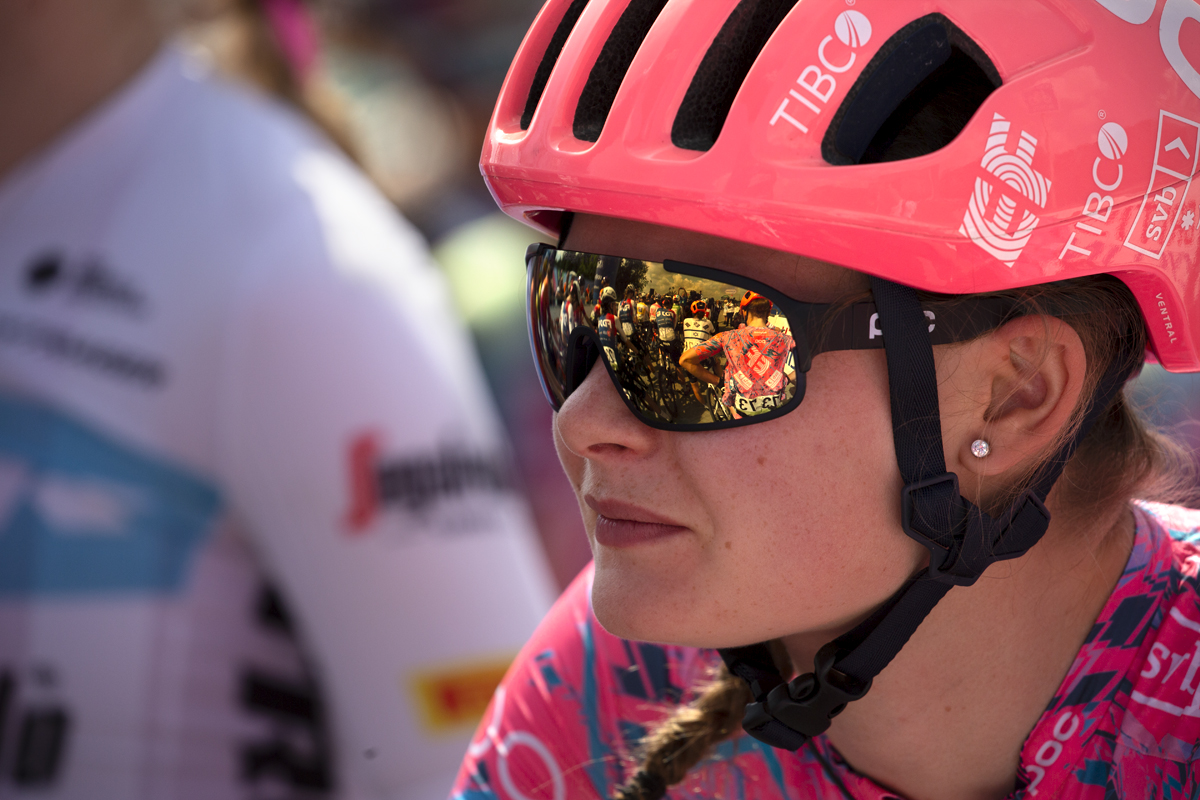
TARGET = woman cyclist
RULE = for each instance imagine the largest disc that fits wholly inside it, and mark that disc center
(626, 312)
(925, 574)
(697, 329)
(609, 329)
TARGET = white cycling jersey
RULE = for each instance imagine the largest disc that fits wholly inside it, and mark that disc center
(697, 331)
(231, 387)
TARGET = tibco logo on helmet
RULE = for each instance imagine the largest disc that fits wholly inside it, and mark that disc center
(1113, 143)
(852, 29)
(996, 234)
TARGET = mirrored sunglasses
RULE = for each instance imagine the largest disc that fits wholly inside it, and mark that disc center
(695, 348)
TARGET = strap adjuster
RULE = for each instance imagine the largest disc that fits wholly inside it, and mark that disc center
(934, 506)
(915, 520)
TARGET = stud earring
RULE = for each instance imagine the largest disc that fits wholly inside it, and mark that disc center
(980, 448)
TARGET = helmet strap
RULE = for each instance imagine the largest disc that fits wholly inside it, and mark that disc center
(962, 540)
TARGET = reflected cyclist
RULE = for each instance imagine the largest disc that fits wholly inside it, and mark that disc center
(626, 312)
(666, 320)
(644, 326)
(608, 327)
(757, 369)
(572, 314)
(697, 329)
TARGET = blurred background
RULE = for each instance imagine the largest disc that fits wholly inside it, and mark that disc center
(408, 86)
(417, 80)
(411, 84)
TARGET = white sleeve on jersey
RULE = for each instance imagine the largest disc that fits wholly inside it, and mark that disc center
(361, 451)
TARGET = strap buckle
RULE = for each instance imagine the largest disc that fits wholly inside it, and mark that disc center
(794, 712)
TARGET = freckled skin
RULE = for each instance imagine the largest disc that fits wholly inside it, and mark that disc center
(786, 488)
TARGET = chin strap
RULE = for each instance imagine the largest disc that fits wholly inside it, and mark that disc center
(961, 539)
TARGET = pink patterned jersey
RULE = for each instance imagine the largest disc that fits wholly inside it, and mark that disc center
(1124, 724)
(755, 361)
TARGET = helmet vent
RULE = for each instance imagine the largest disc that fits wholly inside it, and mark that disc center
(723, 70)
(914, 96)
(609, 71)
(550, 58)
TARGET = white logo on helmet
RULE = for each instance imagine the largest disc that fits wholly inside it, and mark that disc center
(1170, 26)
(1113, 143)
(1112, 140)
(812, 90)
(1174, 13)
(853, 29)
(1176, 157)
(1006, 231)
(1135, 11)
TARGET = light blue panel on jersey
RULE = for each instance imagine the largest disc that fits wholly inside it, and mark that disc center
(82, 513)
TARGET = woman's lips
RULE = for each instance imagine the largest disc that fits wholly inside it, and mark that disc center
(620, 524)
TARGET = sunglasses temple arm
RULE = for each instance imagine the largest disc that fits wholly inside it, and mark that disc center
(856, 327)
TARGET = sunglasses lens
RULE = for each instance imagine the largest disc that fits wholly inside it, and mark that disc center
(681, 349)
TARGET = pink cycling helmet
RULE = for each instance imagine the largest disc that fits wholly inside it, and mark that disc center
(1079, 162)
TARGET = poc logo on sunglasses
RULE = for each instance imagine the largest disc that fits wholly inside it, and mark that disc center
(999, 217)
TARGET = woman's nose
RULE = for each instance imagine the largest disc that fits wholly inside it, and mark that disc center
(595, 423)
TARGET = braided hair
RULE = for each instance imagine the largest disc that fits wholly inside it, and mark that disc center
(690, 734)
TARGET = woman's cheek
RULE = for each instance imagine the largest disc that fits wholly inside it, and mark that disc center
(823, 483)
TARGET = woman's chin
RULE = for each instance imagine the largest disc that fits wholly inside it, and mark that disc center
(639, 607)
(672, 611)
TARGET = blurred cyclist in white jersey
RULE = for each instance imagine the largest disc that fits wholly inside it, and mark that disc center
(257, 535)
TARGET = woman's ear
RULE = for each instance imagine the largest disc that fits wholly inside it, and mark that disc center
(1014, 389)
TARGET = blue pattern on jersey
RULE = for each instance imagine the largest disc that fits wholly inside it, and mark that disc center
(83, 513)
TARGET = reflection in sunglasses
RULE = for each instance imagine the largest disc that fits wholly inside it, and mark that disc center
(681, 349)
